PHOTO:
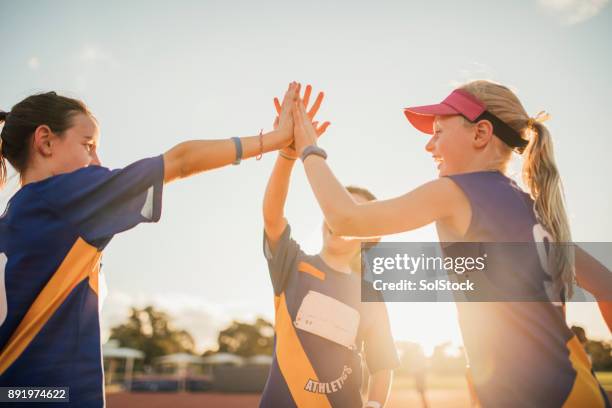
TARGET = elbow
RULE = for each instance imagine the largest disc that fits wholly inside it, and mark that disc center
(175, 163)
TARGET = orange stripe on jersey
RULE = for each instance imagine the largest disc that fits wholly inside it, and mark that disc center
(294, 363)
(276, 303)
(80, 262)
(94, 275)
(585, 391)
(311, 270)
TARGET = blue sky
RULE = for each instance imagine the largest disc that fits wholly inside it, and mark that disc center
(156, 74)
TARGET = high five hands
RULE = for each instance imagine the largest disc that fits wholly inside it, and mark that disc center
(292, 112)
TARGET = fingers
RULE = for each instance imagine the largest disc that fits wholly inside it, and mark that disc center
(290, 96)
(307, 93)
(302, 110)
(296, 115)
(321, 129)
(316, 105)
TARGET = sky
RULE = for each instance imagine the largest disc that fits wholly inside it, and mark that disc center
(158, 73)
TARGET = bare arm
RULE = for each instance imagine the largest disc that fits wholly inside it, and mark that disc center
(597, 279)
(440, 199)
(278, 184)
(380, 386)
(195, 156)
(433, 201)
(274, 200)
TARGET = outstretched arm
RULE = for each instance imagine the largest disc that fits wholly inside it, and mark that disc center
(278, 184)
(195, 156)
(433, 201)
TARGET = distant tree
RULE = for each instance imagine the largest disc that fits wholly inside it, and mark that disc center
(601, 354)
(150, 331)
(599, 351)
(246, 340)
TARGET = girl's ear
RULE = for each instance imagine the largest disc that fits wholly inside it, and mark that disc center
(483, 131)
(43, 140)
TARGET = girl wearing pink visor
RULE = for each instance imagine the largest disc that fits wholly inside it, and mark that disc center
(521, 354)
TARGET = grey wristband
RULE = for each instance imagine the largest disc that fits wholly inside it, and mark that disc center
(238, 145)
(313, 149)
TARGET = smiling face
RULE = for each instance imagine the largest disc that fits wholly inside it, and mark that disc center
(75, 148)
(452, 144)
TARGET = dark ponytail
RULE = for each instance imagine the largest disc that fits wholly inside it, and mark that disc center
(49, 109)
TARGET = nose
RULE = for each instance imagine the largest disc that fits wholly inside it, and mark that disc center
(430, 144)
(95, 160)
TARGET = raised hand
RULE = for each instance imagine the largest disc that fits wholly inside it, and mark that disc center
(319, 128)
(304, 132)
(284, 121)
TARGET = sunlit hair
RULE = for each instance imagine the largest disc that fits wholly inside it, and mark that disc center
(365, 193)
(539, 173)
(50, 109)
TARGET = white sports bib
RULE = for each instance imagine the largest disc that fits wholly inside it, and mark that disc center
(329, 318)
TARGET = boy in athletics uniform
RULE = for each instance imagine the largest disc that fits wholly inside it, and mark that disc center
(321, 325)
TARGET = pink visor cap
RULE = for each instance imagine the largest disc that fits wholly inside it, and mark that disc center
(459, 102)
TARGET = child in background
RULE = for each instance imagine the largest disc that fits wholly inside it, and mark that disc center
(321, 325)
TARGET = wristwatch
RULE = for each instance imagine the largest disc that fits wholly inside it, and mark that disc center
(313, 149)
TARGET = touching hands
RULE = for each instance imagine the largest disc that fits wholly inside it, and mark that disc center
(305, 132)
(283, 125)
(318, 129)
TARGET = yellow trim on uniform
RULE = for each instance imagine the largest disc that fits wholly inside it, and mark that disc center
(94, 276)
(81, 261)
(293, 362)
(311, 270)
(585, 391)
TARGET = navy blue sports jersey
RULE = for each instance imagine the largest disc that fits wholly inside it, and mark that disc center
(308, 369)
(52, 234)
(521, 354)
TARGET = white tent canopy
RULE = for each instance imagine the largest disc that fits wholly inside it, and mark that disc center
(260, 359)
(223, 358)
(110, 350)
(180, 359)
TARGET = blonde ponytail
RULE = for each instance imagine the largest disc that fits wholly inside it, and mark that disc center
(540, 174)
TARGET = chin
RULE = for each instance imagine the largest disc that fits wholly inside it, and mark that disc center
(338, 245)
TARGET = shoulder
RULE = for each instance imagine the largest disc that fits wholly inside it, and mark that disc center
(82, 176)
